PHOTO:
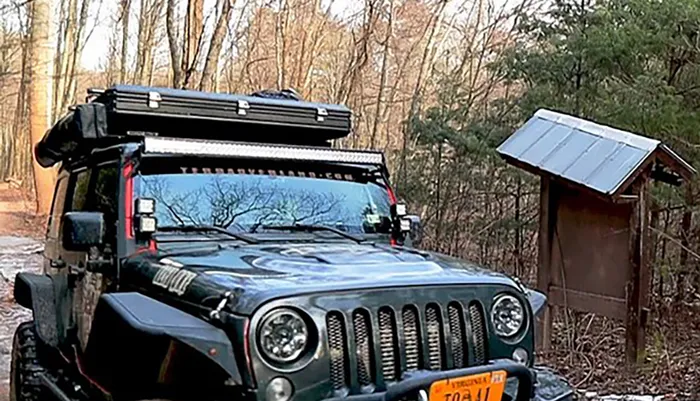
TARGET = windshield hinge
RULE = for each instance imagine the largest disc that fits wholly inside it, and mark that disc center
(216, 313)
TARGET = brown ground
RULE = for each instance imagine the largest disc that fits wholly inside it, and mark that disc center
(20, 250)
(594, 359)
(17, 217)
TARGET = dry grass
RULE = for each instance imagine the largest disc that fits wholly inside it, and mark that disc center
(590, 353)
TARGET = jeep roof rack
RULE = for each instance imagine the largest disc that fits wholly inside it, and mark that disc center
(125, 113)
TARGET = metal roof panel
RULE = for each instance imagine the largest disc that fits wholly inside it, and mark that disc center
(546, 144)
(615, 169)
(590, 154)
(590, 160)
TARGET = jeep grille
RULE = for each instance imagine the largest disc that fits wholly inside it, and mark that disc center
(454, 336)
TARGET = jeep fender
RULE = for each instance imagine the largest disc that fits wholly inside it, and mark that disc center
(132, 339)
(36, 292)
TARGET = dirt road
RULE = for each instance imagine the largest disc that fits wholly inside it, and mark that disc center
(16, 254)
(20, 250)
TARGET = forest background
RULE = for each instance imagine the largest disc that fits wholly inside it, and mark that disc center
(437, 85)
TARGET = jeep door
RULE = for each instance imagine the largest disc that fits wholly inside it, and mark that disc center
(89, 188)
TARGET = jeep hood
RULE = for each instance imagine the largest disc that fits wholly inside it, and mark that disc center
(255, 274)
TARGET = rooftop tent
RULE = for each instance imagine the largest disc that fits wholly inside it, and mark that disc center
(123, 112)
(600, 158)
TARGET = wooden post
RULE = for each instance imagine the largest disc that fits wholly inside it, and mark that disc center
(638, 283)
(547, 221)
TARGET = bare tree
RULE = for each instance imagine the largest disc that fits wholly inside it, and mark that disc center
(359, 53)
(174, 43)
(40, 96)
(384, 70)
(209, 74)
(281, 42)
(125, 10)
(71, 39)
(148, 22)
(192, 39)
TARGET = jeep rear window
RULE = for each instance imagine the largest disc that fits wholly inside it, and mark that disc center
(246, 197)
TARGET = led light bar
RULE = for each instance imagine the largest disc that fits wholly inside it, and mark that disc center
(258, 151)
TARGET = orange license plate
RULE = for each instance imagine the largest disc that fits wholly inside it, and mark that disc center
(481, 387)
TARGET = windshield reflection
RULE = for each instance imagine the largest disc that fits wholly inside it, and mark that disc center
(244, 203)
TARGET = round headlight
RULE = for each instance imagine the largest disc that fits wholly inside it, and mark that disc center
(507, 315)
(283, 335)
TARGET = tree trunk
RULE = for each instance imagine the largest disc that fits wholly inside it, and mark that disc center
(192, 39)
(125, 14)
(40, 96)
(148, 21)
(418, 88)
(360, 55)
(686, 222)
(217, 40)
(21, 160)
(72, 51)
(383, 73)
(174, 43)
(280, 44)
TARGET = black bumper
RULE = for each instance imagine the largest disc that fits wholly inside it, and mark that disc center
(532, 384)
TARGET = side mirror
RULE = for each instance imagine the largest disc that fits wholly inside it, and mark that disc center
(82, 230)
(415, 235)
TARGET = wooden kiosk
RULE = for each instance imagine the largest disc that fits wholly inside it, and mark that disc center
(594, 215)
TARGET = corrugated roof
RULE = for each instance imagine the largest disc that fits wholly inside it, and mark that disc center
(590, 154)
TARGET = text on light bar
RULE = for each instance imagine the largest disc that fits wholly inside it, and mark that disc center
(258, 151)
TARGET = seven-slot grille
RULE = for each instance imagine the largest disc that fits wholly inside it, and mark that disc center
(440, 338)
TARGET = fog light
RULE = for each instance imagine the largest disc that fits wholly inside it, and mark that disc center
(279, 389)
(147, 224)
(145, 206)
(520, 356)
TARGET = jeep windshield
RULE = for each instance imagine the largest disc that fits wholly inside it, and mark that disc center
(252, 197)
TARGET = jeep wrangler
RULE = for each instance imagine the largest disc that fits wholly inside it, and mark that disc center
(217, 247)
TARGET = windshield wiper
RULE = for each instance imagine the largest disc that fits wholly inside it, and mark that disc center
(205, 228)
(315, 228)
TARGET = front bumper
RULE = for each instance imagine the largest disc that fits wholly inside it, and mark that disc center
(532, 384)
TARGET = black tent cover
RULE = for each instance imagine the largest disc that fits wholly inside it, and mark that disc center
(125, 113)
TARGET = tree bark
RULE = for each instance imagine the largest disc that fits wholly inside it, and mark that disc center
(209, 73)
(192, 39)
(40, 97)
(418, 88)
(125, 14)
(67, 96)
(148, 21)
(686, 223)
(280, 44)
(383, 73)
(21, 159)
(174, 44)
(360, 54)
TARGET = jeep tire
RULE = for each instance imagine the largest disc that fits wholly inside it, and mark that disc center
(25, 384)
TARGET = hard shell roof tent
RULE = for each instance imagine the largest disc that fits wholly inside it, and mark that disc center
(126, 113)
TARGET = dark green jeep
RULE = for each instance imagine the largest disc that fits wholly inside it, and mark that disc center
(216, 247)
